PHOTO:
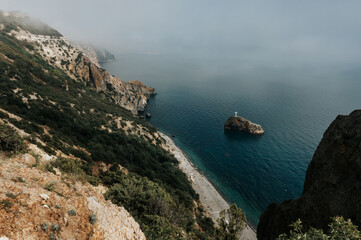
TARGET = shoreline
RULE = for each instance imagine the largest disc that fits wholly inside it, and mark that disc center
(213, 202)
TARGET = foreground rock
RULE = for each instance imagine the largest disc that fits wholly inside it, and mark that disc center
(332, 186)
(243, 125)
(29, 208)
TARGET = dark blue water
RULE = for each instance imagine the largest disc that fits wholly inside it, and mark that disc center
(295, 106)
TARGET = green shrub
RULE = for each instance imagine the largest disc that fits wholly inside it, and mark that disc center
(49, 150)
(157, 227)
(231, 223)
(52, 236)
(45, 226)
(339, 229)
(20, 179)
(72, 212)
(49, 167)
(92, 218)
(93, 180)
(10, 140)
(10, 195)
(159, 215)
(205, 223)
(55, 227)
(50, 186)
(141, 196)
(68, 165)
(5, 204)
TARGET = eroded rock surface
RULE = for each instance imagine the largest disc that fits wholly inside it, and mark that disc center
(31, 199)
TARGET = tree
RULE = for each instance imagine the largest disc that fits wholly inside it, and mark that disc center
(340, 229)
(231, 223)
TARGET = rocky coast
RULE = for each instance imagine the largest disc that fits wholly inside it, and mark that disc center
(209, 197)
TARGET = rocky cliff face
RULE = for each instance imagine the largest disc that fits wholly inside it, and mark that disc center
(243, 125)
(95, 54)
(60, 53)
(332, 186)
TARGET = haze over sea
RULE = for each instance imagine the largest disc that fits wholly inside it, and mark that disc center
(197, 94)
(291, 66)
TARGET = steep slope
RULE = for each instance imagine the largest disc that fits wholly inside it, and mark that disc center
(84, 130)
(14, 20)
(35, 204)
(58, 52)
(332, 186)
(95, 54)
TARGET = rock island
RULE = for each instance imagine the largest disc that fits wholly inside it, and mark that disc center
(241, 124)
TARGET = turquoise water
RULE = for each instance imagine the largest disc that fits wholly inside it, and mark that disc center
(295, 106)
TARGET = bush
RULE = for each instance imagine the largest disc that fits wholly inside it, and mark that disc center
(10, 140)
(159, 215)
(142, 196)
(10, 195)
(5, 204)
(72, 212)
(92, 218)
(93, 180)
(160, 228)
(68, 165)
(231, 223)
(45, 226)
(55, 227)
(339, 229)
(50, 186)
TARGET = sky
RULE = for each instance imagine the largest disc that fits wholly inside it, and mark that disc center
(269, 33)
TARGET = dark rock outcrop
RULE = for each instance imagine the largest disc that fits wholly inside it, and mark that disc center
(332, 186)
(243, 125)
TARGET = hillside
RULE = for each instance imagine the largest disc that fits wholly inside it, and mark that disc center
(96, 54)
(83, 121)
(58, 52)
(43, 205)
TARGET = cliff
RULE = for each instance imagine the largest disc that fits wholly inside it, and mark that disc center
(241, 124)
(58, 52)
(95, 54)
(332, 186)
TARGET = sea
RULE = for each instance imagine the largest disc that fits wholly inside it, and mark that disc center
(294, 105)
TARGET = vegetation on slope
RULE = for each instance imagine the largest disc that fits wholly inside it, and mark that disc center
(17, 19)
(70, 117)
(339, 229)
(10, 141)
